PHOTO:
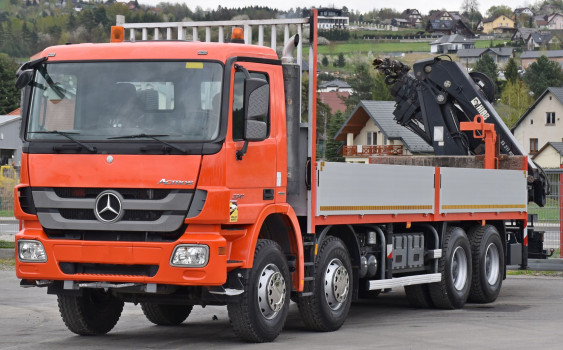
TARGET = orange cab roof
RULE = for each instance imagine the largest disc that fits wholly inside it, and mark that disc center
(156, 50)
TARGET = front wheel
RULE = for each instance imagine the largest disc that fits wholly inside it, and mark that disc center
(327, 309)
(95, 312)
(455, 266)
(261, 313)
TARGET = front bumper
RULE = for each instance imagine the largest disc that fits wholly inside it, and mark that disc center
(136, 262)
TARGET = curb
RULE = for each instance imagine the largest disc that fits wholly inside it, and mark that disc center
(7, 253)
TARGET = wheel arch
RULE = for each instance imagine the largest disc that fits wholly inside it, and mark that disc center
(278, 223)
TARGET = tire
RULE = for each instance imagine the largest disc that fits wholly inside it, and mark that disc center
(327, 309)
(488, 264)
(260, 314)
(419, 296)
(95, 312)
(166, 315)
(455, 267)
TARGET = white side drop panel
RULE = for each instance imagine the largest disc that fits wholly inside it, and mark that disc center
(482, 190)
(361, 189)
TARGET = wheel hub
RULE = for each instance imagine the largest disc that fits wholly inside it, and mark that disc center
(336, 284)
(492, 264)
(271, 291)
(459, 268)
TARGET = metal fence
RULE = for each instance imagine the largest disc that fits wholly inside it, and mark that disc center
(549, 217)
(9, 226)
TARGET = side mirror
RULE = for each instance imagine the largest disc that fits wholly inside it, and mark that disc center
(24, 78)
(257, 105)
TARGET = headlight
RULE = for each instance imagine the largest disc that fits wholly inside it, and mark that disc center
(31, 251)
(190, 255)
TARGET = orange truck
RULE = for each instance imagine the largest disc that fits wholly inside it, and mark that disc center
(178, 173)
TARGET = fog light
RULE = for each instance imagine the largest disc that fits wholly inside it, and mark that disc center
(190, 255)
(31, 251)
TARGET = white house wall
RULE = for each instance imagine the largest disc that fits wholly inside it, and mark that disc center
(538, 129)
(549, 158)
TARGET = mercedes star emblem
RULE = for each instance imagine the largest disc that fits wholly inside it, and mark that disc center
(108, 207)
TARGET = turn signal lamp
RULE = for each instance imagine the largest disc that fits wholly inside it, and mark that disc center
(117, 34)
(237, 35)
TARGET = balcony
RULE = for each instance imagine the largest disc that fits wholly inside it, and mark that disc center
(367, 151)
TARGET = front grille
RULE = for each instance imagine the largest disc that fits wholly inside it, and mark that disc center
(108, 269)
(127, 193)
(116, 236)
(130, 215)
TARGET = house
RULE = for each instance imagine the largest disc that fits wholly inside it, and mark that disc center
(413, 16)
(550, 156)
(523, 11)
(330, 18)
(539, 40)
(497, 24)
(400, 22)
(555, 21)
(371, 131)
(334, 100)
(451, 44)
(522, 34)
(500, 55)
(542, 122)
(10, 142)
(448, 23)
(335, 85)
(529, 57)
(540, 21)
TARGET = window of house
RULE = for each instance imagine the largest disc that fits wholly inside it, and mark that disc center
(371, 138)
(550, 118)
(531, 121)
(533, 145)
(238, 103)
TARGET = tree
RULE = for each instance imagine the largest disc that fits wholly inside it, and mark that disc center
(381, 91)
(363, 85)
(487, 66)
(324, 61)
(341, 62)
(9, 95)
(334, 124)
(511, 71)
(499, 10)
(516, 95)
(542, 74)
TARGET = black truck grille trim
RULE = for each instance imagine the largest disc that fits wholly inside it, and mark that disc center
(108, 269)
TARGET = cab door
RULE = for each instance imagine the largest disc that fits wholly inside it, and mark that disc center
(253, 176)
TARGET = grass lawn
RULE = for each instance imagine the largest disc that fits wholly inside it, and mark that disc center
(7, 244)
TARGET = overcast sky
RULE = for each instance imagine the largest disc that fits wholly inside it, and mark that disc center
(361, 5)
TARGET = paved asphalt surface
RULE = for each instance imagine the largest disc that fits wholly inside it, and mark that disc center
(526, 315)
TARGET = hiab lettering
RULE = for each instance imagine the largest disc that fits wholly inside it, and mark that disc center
(480, 108)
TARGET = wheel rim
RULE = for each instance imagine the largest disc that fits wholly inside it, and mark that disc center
(459, 268)
(271, 291)
(492, 264)
(337, 284)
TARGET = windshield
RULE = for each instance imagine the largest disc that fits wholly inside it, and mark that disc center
(99, 101)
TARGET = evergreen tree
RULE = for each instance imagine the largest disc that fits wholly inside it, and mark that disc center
(487, 66)
(9, 95)
(542, 74)
(341, 62)
(511, 71)
(334, 124)
(381, 91)
(363, 85)
(324, 61)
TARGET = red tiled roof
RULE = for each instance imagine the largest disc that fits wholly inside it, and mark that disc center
(333, 100)
(15, 112)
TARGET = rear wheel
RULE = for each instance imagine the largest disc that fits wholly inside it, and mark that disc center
(327, 309)
(261, 313)
(488, 264)
(166, 315)
(95, 312)
(455, 266)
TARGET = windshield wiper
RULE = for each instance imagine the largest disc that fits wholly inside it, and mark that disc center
(67, 135)
(150, 136)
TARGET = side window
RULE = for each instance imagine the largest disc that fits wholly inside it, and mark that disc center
(238, 103)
